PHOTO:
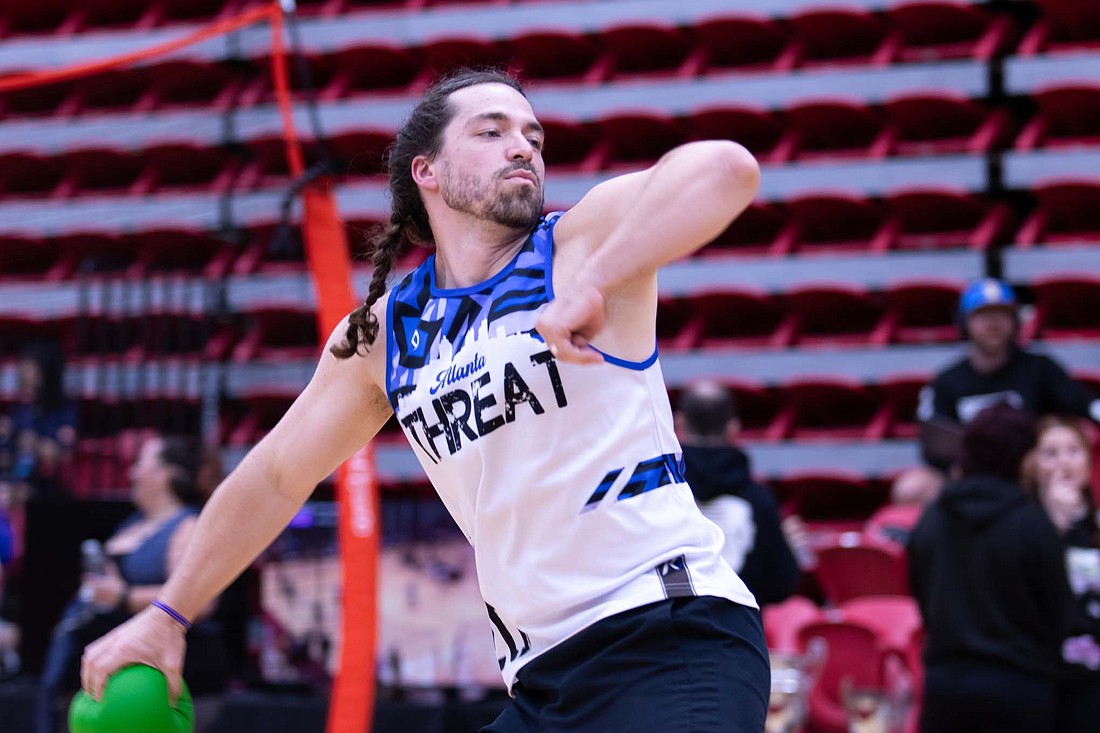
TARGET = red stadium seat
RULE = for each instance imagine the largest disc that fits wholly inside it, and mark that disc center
(1066, 306)
(842, 36)
(834, 408)
(21, 328)
(933, 30)
(369, 68)
(942, 218)
(117, 90)
(1063, 25)
(836, 128)
(1066, 116)
(758, 408)
(638, 137)
(573, 146)
(895, 618)
(102, 171)
(837, 221)
(182, 250)
(245, 422)
(32, 258)
(677, 326)
(49, 16)
(853, 662)
(97, 251)
(106, 13)
(360, 153)
(187, 83)
(846, 572)
(938, 123)
(560, 56)
(650, 48)
(838, 499)
(1065, 212)
(24, 174)
(741, 318)
(178, 11)
(185, 166)
(762, 132)
(923, 311)
(744, 42)
(760, 229)
(443, 55)
(783, 621)
(834, 314)
(39, 100)
(278, 333)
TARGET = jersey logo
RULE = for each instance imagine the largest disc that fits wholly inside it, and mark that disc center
(478, 406)
(650, 474)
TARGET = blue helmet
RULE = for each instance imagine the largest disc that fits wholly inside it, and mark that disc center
(985, 293)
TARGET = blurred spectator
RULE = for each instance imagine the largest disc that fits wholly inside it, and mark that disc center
(995, 370)
(139, 557)
(919, 486)
(40, 430)
(721, 479)
(1059, 473)
(9, 632)
(988, 571)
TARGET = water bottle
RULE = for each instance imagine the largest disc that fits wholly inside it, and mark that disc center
(94, 562)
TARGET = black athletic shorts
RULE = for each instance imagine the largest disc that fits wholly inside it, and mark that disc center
(683, 665)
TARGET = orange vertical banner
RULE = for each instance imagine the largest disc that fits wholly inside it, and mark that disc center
(351, 704)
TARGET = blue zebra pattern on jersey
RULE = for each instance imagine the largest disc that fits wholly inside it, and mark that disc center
(423, 318)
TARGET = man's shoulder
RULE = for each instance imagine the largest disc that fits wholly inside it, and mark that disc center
(958, 368)
(1033, 359)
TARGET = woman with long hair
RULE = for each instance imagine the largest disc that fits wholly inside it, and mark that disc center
(1059, 473)
(167, 494)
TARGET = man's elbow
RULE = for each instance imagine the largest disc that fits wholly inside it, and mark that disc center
(737, 168)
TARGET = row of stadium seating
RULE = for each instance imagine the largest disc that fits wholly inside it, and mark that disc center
(549, 38)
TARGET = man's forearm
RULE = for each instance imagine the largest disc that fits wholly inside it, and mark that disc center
(690, 196)
(241, 519)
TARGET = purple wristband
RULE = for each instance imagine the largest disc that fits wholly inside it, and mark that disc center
(172, 612)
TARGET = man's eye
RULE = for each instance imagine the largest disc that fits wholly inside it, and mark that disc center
(491, 133)
(535, 143)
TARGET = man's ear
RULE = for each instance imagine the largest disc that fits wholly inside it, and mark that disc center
(424, 173)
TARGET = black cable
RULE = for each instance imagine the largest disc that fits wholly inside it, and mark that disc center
(309, 90)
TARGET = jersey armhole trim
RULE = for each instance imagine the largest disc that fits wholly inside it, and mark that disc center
(391, 347)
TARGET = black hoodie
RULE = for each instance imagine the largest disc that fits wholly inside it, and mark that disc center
(988, 570)
(720, 478)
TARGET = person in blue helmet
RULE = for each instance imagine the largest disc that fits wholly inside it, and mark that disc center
(995, 370)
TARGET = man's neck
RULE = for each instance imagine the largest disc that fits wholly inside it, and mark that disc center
(984, 362)
(473, 252)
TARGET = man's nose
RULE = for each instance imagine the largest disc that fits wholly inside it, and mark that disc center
(522, 149)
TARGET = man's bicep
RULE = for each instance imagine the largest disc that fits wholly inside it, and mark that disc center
(593, 218)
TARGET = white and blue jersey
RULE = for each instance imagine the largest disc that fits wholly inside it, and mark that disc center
(566, 479)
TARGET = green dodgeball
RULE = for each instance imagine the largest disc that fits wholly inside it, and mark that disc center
(135, 701)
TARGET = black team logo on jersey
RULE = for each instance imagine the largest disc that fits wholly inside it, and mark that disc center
(491, 402)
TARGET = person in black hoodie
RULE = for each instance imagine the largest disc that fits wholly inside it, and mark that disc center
(987, 569)
(718, 472)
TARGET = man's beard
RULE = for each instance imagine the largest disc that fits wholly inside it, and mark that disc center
(519, 208)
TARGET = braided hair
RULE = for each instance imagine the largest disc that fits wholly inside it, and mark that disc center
(422, 134)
